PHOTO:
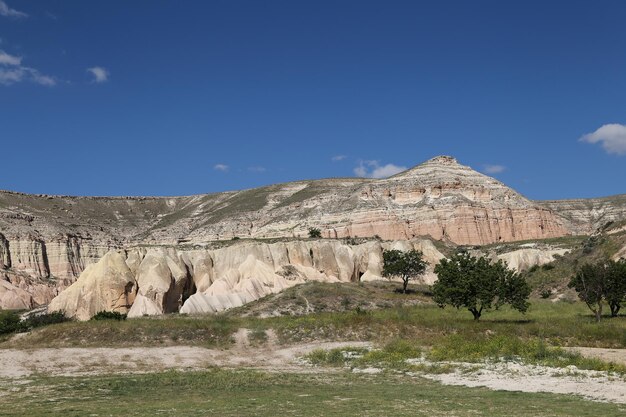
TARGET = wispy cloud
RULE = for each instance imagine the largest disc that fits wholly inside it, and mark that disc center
(338, 158)
(6, 59)
(611, 136)
(221, 167)
(12, 71)
(6, 11)
(257, 169)
(100, 74)
(493, 169)
(373, 169)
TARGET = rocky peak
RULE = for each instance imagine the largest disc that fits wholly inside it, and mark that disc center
(443, 160)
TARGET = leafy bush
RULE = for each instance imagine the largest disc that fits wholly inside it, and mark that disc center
(9, 322)
(44, 320)
(109, 315)
(314, 232)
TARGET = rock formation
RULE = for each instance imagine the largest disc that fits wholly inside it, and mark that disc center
(47, 241)
(523, 259)
(108, 285)
(156, 281)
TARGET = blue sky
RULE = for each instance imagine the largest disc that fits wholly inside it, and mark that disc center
(185, 97)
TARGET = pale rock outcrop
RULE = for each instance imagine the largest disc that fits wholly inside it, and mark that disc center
(523, 259)
(5, 254)
(163, 280)
(28, 255)
(40, 293)
(14, 298)
(208, 281)
(108, 285)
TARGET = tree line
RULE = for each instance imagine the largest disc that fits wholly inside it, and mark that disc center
(478, 284)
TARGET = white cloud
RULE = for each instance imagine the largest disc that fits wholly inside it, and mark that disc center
(221, 167)
(12, 71)
(493, 169)
(338, 158)
(257, 169)
(6, 59)
(6, 11)
(373, 169)
(100, 74)
(611, 136)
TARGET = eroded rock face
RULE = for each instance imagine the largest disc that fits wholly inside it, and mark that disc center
(523, 259)
(108, 285)
(205, 281)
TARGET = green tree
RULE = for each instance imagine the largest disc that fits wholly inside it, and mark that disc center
(404, 265)
(599, 282)
(590, 284)
(616, 285)
(315, 232)
(478, 285)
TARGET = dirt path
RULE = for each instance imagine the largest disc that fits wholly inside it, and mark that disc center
(607, 355)
(92, 361)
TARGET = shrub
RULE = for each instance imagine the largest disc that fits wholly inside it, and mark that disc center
(315, 233)
(9, 322)
(109, 315)
(46, 319)
(545, 293)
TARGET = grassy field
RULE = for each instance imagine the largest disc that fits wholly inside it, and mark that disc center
(237, 393)
(558, 324)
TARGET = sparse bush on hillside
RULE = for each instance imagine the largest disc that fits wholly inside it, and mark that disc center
(478, 285)
(315, 233)
(109, 315)
(545, 293)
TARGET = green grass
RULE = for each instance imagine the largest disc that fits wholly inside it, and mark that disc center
(505, 348)
(455, 348)
(236, 393)
(559, 324)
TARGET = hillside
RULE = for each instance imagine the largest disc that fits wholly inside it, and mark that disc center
(46, 242)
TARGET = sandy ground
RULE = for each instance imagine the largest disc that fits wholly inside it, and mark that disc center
(607, 355)
(509, 376)
(92, 361)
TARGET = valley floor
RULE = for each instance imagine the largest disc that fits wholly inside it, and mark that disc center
(64, 374)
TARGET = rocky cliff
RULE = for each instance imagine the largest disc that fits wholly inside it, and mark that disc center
(585, 216)
(47, 241)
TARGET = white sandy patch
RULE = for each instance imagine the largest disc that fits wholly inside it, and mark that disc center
(513, 376)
